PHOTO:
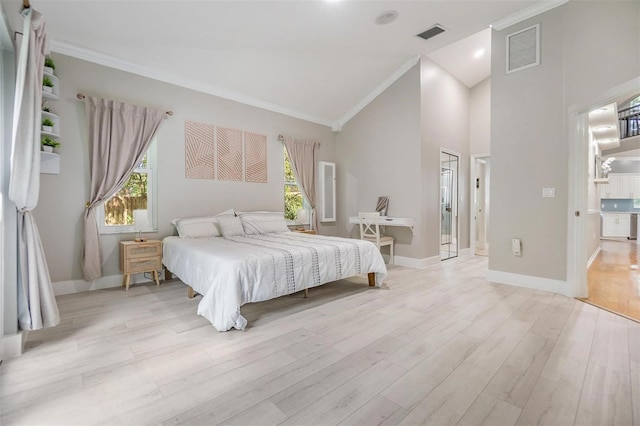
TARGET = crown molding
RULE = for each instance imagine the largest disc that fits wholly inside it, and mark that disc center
(89, 55)
(527, 13)
(374, 94)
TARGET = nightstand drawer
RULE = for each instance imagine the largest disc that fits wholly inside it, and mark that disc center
(142, 264)
(143, 250)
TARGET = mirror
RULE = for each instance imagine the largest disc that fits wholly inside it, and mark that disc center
(382, 205)
(448, 205)
(327, 191)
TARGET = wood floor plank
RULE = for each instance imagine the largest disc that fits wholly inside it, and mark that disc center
(440, 345)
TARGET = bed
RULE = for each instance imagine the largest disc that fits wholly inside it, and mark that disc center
(238, 268)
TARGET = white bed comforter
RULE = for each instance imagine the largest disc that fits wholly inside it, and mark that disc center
(230, 272)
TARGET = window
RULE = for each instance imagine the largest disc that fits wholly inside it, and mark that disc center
(136, 195)
(293, 198)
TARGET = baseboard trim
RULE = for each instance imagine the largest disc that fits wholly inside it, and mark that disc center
(593, 256)
(411, 262)
(110, 281)
(528, 281)
(12, 345)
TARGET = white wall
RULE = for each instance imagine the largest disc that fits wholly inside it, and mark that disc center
(444, 124)
(62, 197)
(586, 48)
(392, 147)
(378, 153)
(480, 117)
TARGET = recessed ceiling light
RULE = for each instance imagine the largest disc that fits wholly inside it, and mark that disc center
(478, 53)
(387, 17)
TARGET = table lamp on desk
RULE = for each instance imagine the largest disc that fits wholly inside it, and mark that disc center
(140, 223)
(303, 217)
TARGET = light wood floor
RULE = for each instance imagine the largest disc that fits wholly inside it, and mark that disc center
(614, 278)
(436, 346)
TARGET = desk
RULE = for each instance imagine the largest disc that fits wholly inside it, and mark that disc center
(409, 222)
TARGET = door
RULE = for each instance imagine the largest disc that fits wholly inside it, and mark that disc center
(448, 205)
(481, 199)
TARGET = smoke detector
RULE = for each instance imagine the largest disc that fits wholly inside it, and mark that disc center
(387, 17)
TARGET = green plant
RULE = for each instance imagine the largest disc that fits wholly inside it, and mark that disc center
(48, 62)
(47, 82)
(49, 141)
(47, 122)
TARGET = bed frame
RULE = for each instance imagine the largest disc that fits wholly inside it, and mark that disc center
(371, 276)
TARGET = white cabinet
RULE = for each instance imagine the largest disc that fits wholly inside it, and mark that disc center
(616, 225)
(621, 186)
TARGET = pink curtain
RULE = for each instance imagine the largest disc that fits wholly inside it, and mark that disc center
(119, 137)
(37, 306)
(302, 155)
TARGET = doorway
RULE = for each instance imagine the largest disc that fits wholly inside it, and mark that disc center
(448, 205)
(481, 167)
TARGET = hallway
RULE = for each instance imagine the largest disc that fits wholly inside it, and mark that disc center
(614, 278)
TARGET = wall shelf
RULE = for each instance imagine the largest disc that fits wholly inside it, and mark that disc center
(49, 163)
(601, 180)
(55, 93)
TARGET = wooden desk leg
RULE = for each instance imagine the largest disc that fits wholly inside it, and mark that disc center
(190, 293)
(372, 279)
(124, 279)
(127, 281)
(155, 277)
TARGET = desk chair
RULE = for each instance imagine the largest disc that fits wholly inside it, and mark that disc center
(370, 231)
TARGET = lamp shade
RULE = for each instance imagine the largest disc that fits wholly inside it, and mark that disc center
(303, 216)
(140, 220)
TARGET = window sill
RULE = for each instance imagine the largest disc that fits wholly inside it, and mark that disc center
(123, 230)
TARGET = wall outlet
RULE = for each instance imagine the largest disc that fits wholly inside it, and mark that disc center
(516, 247)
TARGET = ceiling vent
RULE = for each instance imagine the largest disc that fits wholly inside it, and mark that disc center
(431, 32)
(523, 49)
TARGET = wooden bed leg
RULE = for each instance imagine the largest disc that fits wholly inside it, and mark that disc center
(372, 279)
(190, 293)
(167, 274)
(306, 293)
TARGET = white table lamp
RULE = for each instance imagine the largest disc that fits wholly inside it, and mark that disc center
(303, 216)
(140, 223)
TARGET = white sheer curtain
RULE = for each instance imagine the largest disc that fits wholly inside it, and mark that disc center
(36, 302)
(119, 137)
(302, 155)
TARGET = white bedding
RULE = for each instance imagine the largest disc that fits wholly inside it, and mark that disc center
(230, 272)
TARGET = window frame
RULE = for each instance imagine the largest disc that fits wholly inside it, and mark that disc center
(305, 204)
(152, 211)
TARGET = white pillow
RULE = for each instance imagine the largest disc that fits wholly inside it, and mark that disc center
(230, 225)
(201, 226)
(263, 222)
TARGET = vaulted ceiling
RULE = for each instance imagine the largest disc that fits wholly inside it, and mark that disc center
(316, 60)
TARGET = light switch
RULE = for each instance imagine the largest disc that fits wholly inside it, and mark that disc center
(516, 247)
(548, 192)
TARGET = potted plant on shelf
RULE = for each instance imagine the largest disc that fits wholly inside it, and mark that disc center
(47, 125)
(48, 143)
(49, 66)
(47, 85)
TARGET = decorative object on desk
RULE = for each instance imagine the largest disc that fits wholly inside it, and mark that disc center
(47, 125)
(48, 143)
(605, 166)
(49, 65)
(382, 206)
(47, 85)
(140, 223)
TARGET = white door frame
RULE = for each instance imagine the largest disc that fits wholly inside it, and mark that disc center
(474, 206)
(578, 183)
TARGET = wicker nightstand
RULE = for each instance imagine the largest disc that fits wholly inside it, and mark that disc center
(305, 231)
(140, 257)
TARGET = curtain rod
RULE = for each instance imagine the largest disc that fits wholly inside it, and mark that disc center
(81, 96)
(281, 139)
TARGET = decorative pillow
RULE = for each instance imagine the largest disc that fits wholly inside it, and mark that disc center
(230, 225)
(263, 222)
(201, 226)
